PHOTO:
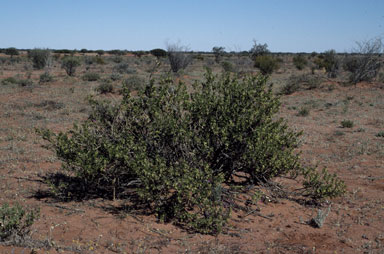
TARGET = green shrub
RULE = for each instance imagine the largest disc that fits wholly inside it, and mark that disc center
(380, 134)
(40, 58)
(266, 64)
(300, 82)
(8, 81)
(300, 61)
(329, 61)
(69, 64)
(347, 124)
(91, 76)
(25, 82)
(303, 112)
(115, 76)
(105, 87)
(123, 68)
(228, 66)
(133, 83)
(15, 222)
(46, 77)
(179, 151)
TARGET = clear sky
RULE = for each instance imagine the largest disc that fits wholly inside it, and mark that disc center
(285, 25)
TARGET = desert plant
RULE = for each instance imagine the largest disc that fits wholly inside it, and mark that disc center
(15, 222)
(300, 82)
(69, 64)
(329, 61)
(303, 112)
(218, 52)
(91, 76)
(40, 58)
(46, 77)
(380, 134)
(11, 52)
(100, 52)
(178, 57)
(105, 87)
(133, 83)
(158, 53)
(8, 81)
(365, 64)
(179, 151)
(258, 49)
(266, 64)
(228, 66)
(347, 124)
(123, 68)
(300, 61)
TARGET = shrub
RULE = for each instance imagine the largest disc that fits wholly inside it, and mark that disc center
(8, 81)
(366, 65)
(100, 52)
(40, 58)
(347, 124)
(329, 61)
(300, 61)
(266, 64)
(123, 68)
(133, 83)
(300, 82)
(115, 76)
(91, 76)
(158, 53)
(303, 112)
(117, 52)
(178, 57)
(179, 151)
(258, 50)
(69, 64)
(227, 66)
(46, 77)
(105, 87)
(380, 134)
(15, 222)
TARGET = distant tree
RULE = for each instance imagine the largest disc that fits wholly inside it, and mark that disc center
(83, 51)
(158, 52)
(218, 52)
(100, 52)
(11, 52)
(258, 49)
(178, 57)
(40, 58)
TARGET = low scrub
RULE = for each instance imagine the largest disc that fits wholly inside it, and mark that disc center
(301, 82)
(180, 151)
(91, 76)
(267, 64)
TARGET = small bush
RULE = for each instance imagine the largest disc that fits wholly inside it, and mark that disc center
(25, 82)
(115, 76)
(69, 64)
(133, 83)
(40, 58)
(266, 64)
(300, 61)
(219, 53)
(329, 61)
(46, 77)
(91, 76)
(15, 222)
(9, 81)
(178, 57)
(300, 82)
(179, 151)
(123, 68)
(347, 124)
(105, 87)
(303, 112)
(380, 134)
(228, 66)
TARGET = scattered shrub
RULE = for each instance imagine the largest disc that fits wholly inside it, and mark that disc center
(91, 76)
(15, 222)
(25, 82)
(303, 112)
(228, 66)
(8, 81)
(179, 59)
(123, 68)
(347, 124)
(179, 151)
(40, 58)
(100, 52)
(69, 64)
(329, 61)
(300, 82)
(300, 61)
(105, 87)
(133, 83)
(117, 52)
(380, 134)
(258, 50)
(115, 76)
(266, 64)
(99, 60)
(46, 77)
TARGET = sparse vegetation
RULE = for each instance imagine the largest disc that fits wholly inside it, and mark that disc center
(178, 57)
(91, 76)
(347, 124)
(70, 64)
(300, 61)
(46, 77)
(41, 58)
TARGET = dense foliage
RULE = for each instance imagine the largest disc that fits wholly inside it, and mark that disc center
(180, 150)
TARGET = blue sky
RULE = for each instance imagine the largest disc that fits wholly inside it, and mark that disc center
(285, 25)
